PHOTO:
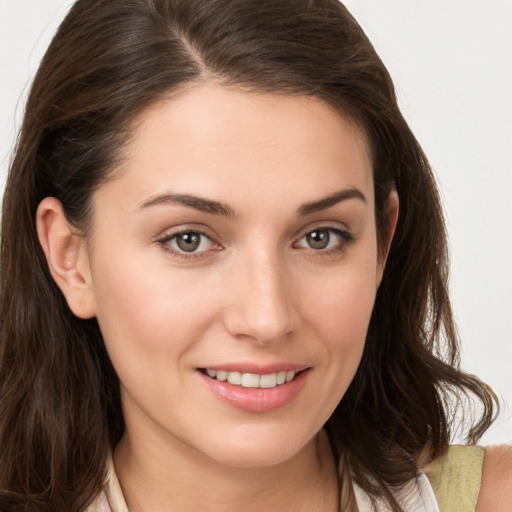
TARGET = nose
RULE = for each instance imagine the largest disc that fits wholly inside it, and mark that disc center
(262, 300)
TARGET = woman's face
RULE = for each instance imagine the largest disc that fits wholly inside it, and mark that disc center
(235, 251)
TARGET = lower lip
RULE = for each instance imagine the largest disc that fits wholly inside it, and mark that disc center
(257, 399)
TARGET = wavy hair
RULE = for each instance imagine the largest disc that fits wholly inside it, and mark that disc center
(60, 410)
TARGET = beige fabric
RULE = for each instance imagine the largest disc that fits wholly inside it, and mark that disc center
(456, 478)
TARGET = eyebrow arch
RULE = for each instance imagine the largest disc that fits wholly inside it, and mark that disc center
(333, 199)
(199, 203)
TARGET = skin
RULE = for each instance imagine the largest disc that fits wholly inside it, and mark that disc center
(496, 491)
(256, 292)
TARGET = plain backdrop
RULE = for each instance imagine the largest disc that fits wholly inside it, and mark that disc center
(452, 65)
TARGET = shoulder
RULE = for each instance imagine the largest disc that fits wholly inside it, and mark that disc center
(496, 490)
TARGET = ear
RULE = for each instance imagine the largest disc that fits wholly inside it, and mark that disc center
(391, 214)
(67, 257)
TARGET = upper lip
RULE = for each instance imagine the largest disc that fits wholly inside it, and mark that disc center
(256, 368)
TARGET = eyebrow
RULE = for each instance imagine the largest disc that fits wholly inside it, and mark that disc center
(329, 201)
(222, 209)
(198, 203)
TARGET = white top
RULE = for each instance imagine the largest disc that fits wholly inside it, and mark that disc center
(416, 495)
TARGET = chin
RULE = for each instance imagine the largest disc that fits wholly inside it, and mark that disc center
(259, 449)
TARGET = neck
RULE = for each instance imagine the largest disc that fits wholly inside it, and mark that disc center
(182, 479)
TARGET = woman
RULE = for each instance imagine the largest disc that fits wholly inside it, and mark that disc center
(224, 275)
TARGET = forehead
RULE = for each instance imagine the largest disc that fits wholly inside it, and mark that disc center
(225, 141)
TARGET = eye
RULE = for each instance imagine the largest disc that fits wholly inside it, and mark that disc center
(323, 239)
(188, 242)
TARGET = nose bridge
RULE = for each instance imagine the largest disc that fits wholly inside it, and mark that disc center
(262, 308)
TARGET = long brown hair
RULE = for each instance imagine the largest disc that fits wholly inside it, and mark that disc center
(60, 411)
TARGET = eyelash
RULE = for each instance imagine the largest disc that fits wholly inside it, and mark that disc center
(165, 241)
(345, 237)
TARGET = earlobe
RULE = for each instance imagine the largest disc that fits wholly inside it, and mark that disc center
(391, 214)
(67, 257)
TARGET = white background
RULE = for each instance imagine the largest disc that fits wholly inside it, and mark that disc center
(452, 65)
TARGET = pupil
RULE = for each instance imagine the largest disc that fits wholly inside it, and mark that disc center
(189, 242)
(318, 239)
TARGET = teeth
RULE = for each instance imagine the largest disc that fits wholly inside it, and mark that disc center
(252, 380)
(235, 378)
(268, 381)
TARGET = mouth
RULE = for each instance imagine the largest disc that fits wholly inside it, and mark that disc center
(256, 390)
(252, 380)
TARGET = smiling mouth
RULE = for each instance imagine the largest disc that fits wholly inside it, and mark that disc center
(252, 380)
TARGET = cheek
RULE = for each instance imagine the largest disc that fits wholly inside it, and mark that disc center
(340, 313)
(147, 312)
(341, 309)
(336, 318)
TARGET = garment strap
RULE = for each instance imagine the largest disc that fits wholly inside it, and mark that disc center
(456, 478)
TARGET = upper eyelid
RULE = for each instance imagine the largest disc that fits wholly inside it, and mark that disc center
(336, 230)
(170, 236)
(170, 232)
(330, 226)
